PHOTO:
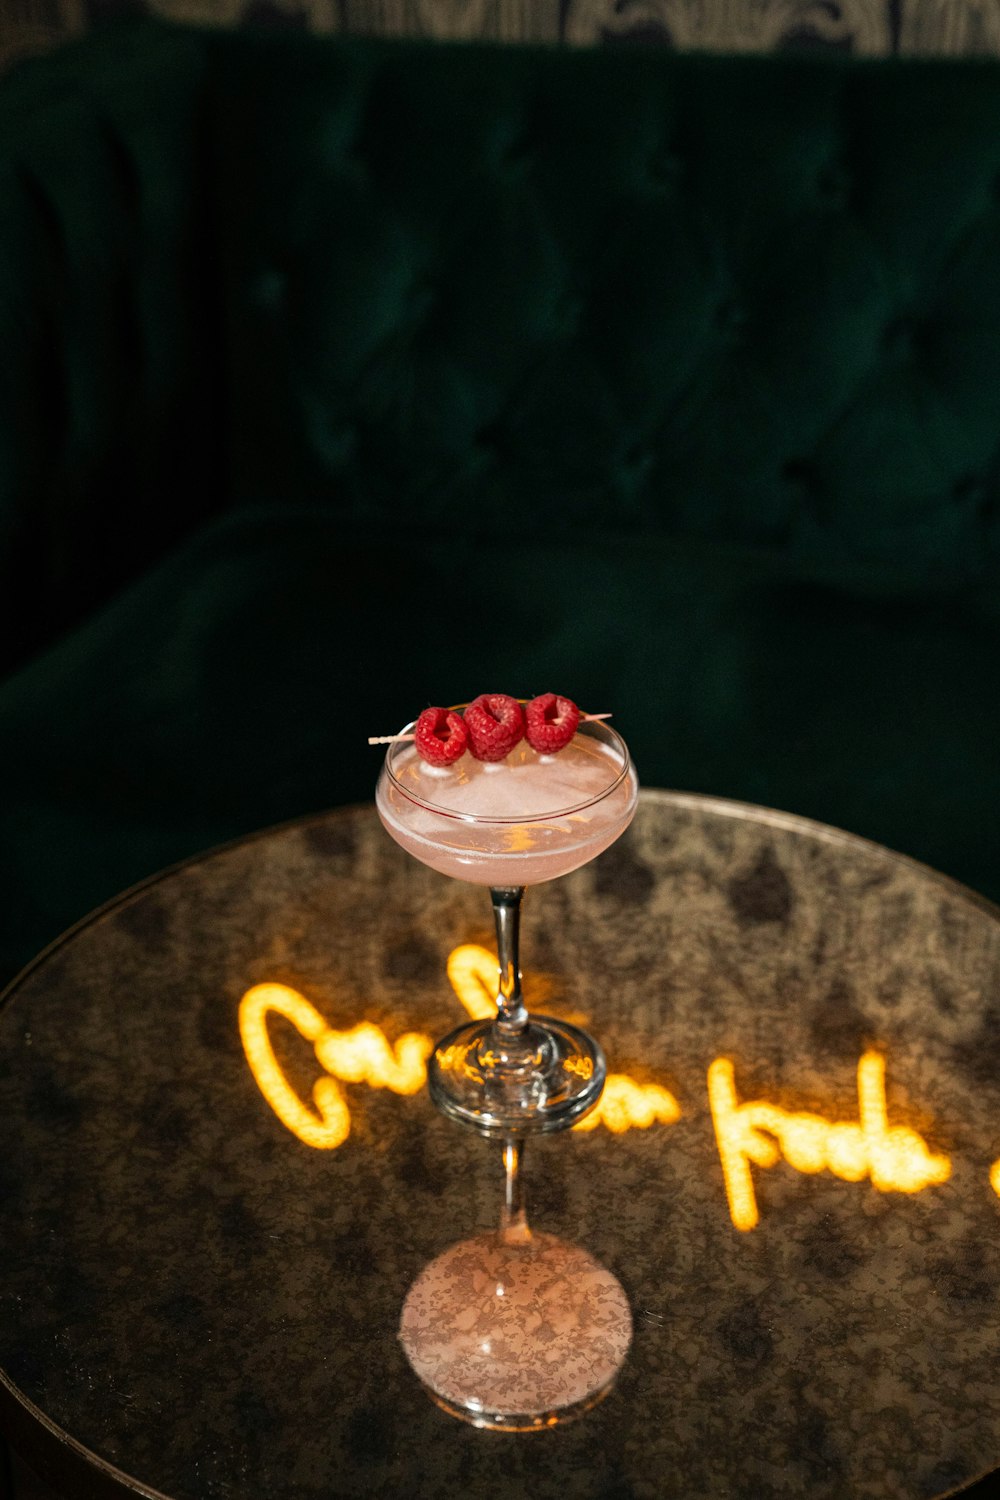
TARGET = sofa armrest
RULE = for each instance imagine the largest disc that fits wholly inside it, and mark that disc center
(111, 430)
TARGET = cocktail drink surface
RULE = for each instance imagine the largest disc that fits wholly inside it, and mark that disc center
(514, 1329)
(518, 821)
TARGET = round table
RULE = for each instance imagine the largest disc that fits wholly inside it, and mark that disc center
(200, 1289)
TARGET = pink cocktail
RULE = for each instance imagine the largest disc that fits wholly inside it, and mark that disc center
(518, 821)
(551, 1326)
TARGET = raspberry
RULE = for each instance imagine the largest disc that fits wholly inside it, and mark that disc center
(550, 722)
(495, 723)
(441, 736)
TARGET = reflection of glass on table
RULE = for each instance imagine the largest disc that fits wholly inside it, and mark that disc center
(514, 1329)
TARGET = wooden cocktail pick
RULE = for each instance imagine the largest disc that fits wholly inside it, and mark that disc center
(395, 739)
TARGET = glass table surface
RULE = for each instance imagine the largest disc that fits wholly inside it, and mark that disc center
(221, 1172)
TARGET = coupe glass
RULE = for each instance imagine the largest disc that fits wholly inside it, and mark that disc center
(514, 1329)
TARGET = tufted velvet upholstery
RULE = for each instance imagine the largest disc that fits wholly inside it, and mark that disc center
(343, 377)
(669, 295)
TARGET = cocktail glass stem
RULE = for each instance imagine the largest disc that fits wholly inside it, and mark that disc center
(515, 1074)
(512, 1051)
(512, 1017)
(514, 1219)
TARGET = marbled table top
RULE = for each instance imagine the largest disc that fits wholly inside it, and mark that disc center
(208, 1304)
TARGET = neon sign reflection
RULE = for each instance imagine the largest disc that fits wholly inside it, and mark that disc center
(895, 1158)
(364, 1055)
(361, 1055)
(753, 1133)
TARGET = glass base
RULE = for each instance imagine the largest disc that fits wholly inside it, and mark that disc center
(516, 1332)
(540, 1079)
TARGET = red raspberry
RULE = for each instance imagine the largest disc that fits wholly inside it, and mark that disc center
(495, 723)
(441, 736)
(550, 723)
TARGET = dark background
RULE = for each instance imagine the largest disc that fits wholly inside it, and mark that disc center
(901, 27)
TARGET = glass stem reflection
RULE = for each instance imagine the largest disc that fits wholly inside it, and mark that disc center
(511, 1014)
(514, 1222)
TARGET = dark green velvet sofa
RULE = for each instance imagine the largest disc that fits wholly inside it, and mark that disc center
(341, 378)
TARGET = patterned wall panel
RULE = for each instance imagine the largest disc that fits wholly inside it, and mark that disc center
(861, 26)
(29, 26)
(957, 28)
(872, 28)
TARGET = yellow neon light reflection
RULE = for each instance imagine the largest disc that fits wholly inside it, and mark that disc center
(473, 973)
(364, 1055)
(361, 1055)
(627, 1105)
(896, 1159)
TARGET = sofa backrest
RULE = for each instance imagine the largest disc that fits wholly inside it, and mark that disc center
(756, 299)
